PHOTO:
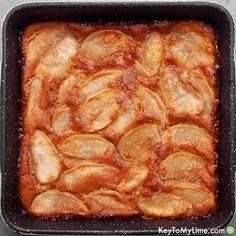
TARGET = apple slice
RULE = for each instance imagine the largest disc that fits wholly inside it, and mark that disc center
(61, 120)
(199, 84)
(77, 77)
(99, 111)
(57, 60)
(101, 80)
(163, 205)
(176, 96)
(40, 41)
(190, 46)
(128, 116)
(88, 176)
(109, 202)
(194, 194)
(85, 146)
(45, 157)
(104, 43)
(136, 175)
(190, 137)
(55, 203)
(150, 55)
(153, 106)
(140, 142)
(183, 165)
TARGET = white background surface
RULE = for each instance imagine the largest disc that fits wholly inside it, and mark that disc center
(6, 5)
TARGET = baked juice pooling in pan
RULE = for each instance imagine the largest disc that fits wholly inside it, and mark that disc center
(119, 120)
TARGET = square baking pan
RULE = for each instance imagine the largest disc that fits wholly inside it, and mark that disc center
(19, 17)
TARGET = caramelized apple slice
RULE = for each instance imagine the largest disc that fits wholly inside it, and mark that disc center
(33, 105)
(56, 61)
(191, 47)
(45, 156)
(176, 96)
(76, 78)
(110, 203)
(198, 83)
(55, 203)
(194, 194)
(104, 43)
(153, 106)
(128, 116)
(88, 176)
(40, 41)
(150, 55)
(163, 205)
(98, 112)
(140, 142)
(136, 175)
(61, 120)
(85, 146)
(190, 136)
(100, 81)
(183, 165)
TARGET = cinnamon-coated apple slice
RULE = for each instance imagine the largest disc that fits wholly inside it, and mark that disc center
(150, 54)
(163, 205)
(55, 203)
(177, 97)
(183, 165)
(129, 114)
(153, 106)
(140, 142)
(61, 120)
(57, 60)
(190, 137)
(103, 79)
(110, 203)
(99, 111)
(88, 176)
(104, 43)
(86, 146)
(190, 46)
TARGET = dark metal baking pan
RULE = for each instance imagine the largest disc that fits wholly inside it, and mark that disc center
(22, 15)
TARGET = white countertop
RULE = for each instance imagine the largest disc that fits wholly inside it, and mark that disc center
(6, 5)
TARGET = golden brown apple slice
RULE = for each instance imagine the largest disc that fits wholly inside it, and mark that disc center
(101, 80)
(40, 41)
(127, 117)
(190, 47)
(45, 157)
(190, 137)
(33, 106)
(110, 203)
(136, 175)
(198, 83)
(194, 194)
(153, 106)
(150, 55)
(85, 146)
(183, 165)
(104, 43)
(88, 176)
(98, 112)
(55, 203)
(140, 142)
(77, 77)
(56, 61)
(163, 205)
(61, 120)
(176, 96)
